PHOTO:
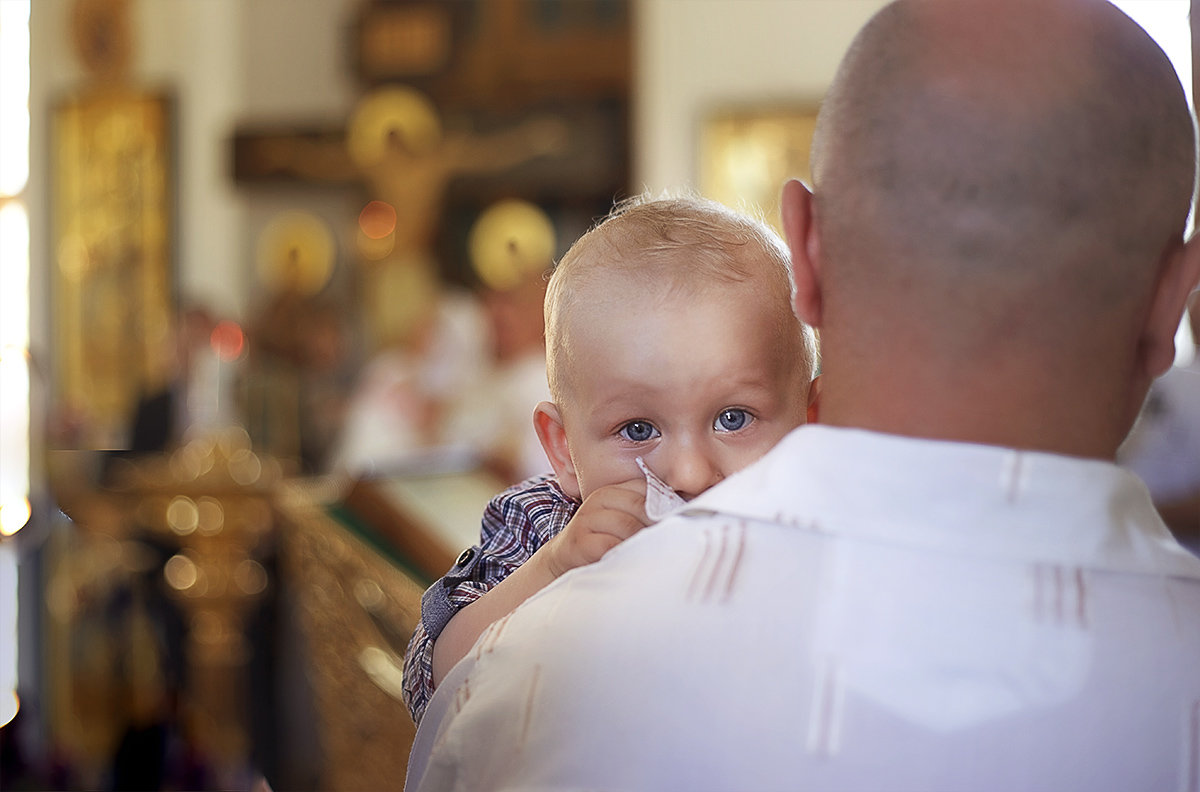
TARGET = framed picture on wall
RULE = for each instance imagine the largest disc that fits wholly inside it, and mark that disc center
(746, 154)
(112, 281)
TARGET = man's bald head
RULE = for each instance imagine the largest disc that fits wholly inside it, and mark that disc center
(986, 161)
(993, 249)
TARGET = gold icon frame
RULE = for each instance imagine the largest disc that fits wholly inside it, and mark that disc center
(746, 154)
(112, 279)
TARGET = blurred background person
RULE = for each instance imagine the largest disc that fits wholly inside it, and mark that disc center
(1164, 445)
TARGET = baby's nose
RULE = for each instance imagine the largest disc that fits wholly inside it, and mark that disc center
(691, 471)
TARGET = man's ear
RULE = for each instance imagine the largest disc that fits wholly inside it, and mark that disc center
(547, 422)
(814, 399)
(796, 212)
(1179, 275)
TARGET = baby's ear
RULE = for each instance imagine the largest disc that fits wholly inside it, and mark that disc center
(548, 423)
(814, 398)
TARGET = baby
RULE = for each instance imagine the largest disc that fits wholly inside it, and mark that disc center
(674, 360)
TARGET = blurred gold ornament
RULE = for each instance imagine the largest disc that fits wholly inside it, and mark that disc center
(182, 515)
(295, 253)
(388, 117)
(510, 241)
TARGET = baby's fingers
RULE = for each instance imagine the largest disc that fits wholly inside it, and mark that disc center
(619, 520)
(587, 538)
(628, 498)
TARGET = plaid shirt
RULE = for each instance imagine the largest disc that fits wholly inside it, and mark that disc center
(515, 524)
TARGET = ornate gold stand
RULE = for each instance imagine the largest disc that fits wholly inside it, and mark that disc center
(211, 500)
(358, 611)
(221, 510)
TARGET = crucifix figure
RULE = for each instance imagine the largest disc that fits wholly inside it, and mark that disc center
(396, 145)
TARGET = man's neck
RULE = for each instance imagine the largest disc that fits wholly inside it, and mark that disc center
(1011, 411)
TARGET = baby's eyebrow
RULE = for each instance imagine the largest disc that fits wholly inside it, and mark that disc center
(740, 393)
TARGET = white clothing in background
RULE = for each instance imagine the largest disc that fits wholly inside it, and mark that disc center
(1164, 446)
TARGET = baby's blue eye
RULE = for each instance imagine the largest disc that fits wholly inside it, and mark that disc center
(638, 431)
(731, 420)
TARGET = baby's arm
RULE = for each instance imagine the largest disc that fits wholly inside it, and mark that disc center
(606, 518)
(515, 524)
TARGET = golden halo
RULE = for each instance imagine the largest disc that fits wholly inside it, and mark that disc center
(295, 252)
(383, 112)
(511, 240)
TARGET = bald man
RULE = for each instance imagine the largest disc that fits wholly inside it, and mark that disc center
(949, 585)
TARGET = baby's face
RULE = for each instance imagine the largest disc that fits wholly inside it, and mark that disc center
(698, 386)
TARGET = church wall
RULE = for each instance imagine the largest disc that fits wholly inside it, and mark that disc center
(694, 57)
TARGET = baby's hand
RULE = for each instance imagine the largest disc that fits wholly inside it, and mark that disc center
(607, 517)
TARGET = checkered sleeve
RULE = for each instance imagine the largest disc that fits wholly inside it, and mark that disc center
(515, 524)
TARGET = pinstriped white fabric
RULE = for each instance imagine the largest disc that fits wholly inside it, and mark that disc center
(855, 611)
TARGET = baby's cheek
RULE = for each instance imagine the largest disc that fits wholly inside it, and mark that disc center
(613, 471)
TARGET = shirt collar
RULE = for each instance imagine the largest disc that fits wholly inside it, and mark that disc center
(956, 498)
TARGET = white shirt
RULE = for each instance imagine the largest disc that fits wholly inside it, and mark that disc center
(854, 612)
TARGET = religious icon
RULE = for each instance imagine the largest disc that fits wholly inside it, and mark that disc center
(746, 155)
(112, 236)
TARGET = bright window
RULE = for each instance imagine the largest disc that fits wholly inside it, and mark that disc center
(14, 327)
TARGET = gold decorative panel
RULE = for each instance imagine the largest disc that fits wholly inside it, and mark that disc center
(746, 155)
(112, 200)
(358, 611)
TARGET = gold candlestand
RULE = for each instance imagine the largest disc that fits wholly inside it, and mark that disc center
(210, 500)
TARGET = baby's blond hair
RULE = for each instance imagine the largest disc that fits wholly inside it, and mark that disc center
(681, 245)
